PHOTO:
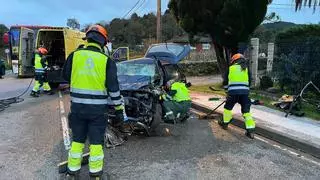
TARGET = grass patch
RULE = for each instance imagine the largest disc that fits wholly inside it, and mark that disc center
(206, 89)
(309, 110)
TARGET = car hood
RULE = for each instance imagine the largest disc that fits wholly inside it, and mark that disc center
(168, 52)
(133, 82)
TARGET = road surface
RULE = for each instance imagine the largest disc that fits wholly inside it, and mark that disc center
(31, 146)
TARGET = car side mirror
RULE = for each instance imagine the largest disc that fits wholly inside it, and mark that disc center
(188, 84)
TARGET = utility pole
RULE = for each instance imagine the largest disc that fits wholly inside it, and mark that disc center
(159, 21)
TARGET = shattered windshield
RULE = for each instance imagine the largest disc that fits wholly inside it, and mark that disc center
(137, 71)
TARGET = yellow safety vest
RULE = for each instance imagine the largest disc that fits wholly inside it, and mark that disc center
(37, 64)
(238, 80)
(182, 92)
(88, 77)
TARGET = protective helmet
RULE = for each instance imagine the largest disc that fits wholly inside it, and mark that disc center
(236, 57)
(42, 51)
(98, 34)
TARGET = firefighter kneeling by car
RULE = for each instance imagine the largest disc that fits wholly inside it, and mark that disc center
(176, 102)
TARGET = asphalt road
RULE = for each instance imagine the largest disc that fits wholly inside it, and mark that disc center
(31, 146)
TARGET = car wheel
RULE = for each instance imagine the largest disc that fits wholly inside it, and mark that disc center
(156, 120)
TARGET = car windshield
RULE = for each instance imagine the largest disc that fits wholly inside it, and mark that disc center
(137, 71)
(170, 48)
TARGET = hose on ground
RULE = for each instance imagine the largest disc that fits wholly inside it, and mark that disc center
(5, 103)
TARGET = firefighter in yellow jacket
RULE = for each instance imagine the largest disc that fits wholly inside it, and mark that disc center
(41, 67)
(237, 81)
(177, 102)
(93, 79)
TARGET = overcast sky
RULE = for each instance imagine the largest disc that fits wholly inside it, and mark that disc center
(56, 12)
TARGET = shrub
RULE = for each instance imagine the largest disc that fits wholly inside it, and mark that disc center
(265, 82)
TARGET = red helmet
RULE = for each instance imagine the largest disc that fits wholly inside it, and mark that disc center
(236, 57)
(94, 31)
(42, 51)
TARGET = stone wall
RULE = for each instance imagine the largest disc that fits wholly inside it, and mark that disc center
(203, 56)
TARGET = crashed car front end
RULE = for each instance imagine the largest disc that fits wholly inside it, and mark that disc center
(140, 84)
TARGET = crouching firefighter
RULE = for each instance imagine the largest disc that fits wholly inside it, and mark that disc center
(177, 102)
(41, 68)
(237, 82)
(93, 80)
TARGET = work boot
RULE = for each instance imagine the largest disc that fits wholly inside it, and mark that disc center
(49, 92)
(73, 175)
(222, 124)
(34, 94)
(250, 133)
(97, 176)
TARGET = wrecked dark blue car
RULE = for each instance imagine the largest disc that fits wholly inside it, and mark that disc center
(141, 83)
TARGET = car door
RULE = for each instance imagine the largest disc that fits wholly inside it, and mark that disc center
(121, 54)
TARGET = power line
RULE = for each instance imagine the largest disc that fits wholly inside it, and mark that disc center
(143, 3)
(136, 9)
(144, 10)
(291, 5)
(131, 9)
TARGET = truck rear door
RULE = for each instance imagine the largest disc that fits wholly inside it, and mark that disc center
(26, 52)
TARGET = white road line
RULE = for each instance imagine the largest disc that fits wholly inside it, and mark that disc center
(62, 111)
(288, 151)
(277, 146)
(64, 124)
(65, 133)
(312, 161)
(260, 139)
(294, 153)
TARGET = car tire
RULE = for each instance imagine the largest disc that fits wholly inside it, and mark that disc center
(157, 118)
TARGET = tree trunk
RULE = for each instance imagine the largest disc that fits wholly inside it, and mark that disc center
(222, 62)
